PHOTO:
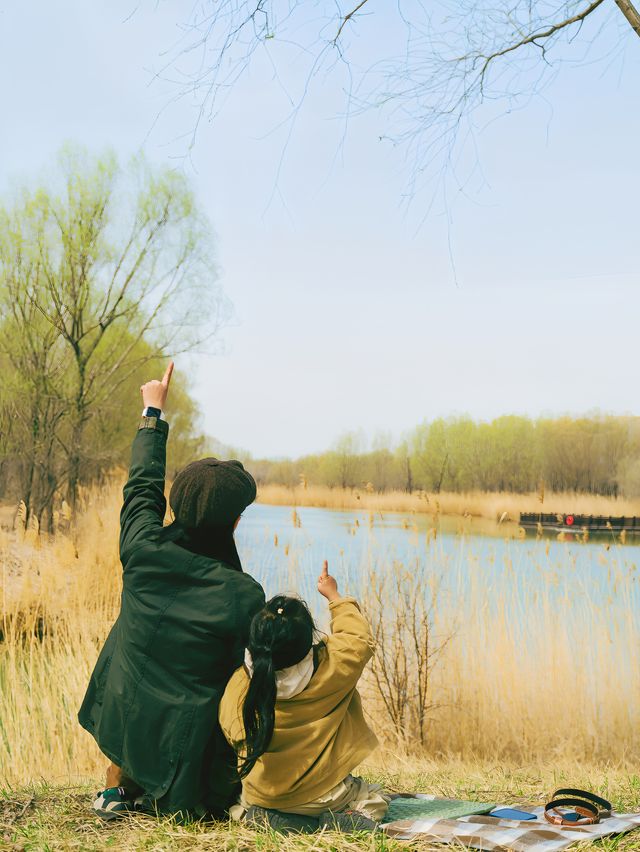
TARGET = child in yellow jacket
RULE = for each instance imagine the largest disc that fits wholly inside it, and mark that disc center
(294, 716)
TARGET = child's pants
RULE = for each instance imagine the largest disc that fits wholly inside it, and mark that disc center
(351, 794)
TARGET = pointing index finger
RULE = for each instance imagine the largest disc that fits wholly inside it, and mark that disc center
(167, 375)
(325, 569)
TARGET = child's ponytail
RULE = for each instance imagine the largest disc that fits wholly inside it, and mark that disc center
(281, 635)
(258, 713)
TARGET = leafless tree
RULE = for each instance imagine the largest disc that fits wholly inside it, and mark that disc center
(449, 59)
(400, 603)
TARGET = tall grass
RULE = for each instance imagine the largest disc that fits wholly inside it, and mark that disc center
(529, 668)
(544, 670)
(58, 601)
(481, 504)
(525, 662)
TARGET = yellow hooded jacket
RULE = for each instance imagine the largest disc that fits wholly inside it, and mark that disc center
(320, 734)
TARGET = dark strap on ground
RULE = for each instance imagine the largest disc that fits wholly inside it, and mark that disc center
(602, 804)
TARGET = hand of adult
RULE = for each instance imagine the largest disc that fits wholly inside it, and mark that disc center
(155, 392)
(327, 585)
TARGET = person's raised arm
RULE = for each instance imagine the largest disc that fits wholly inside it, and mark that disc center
(351, 643)
(144, 504)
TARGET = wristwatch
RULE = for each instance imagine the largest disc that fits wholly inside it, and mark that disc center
(151, 411)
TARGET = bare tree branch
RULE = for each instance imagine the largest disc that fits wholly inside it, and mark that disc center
(348, 17)
(439, 66)
(631, 14)
(535, 37)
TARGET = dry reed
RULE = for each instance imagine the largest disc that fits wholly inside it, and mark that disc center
(519, 668)
(481, 504)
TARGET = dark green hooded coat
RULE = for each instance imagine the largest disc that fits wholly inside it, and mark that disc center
(152, 702)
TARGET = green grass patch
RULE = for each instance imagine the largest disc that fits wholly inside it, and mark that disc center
(54, 817)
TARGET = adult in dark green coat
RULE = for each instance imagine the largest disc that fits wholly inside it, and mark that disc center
(152, 701)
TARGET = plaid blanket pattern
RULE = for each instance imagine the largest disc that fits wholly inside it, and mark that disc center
(488, 833)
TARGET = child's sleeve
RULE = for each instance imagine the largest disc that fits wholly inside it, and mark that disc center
(351, 644)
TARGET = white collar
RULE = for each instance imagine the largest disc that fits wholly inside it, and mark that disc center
(290, 681)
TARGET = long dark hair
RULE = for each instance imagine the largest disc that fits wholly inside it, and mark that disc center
(281, 635)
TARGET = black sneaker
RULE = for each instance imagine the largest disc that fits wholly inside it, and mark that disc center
(281, 822)
(112, 803)
(347, 821)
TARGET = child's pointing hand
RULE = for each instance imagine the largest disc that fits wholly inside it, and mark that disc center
(327, 585)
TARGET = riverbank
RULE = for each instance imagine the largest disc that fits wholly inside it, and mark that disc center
(56, 816)
(478, 504)
(492, 505)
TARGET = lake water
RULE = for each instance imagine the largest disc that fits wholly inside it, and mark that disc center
(284, 548)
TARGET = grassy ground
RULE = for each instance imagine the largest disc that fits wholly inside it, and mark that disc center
(47, 817)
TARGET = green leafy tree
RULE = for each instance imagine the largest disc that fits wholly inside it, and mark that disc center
(112, 268)
(346, 461)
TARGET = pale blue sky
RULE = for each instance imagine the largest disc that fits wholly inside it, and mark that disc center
(348, 314)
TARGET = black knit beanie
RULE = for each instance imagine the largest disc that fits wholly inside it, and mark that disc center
(211, 493)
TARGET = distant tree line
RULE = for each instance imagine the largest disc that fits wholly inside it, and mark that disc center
(103, 270)
(595, 454)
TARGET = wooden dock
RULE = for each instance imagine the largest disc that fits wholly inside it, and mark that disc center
(578, 523)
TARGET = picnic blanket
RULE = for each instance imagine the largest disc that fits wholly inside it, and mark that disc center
(479, 831)
(424, 806)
